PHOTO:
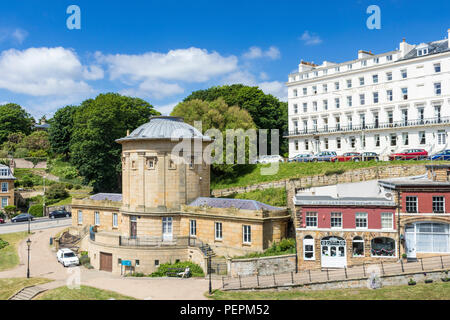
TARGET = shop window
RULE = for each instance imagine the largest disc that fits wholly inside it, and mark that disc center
(358, 247)
(383, 247)
(308, 248)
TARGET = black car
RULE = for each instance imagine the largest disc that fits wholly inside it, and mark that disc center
(59, 214)
(22, 217)
(367, 156)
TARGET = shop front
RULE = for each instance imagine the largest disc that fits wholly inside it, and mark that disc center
(333, 251)
(427, 237)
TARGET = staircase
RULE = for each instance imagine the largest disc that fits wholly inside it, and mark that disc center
(27, 293)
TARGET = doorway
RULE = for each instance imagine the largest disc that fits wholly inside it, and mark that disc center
(333, 252)
(106, 261)
(167, 228)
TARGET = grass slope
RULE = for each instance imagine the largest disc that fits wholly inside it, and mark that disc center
(84, 293)
(9, 257)
(433, 291)
(272, 196)
(251, 174)
(10, 286)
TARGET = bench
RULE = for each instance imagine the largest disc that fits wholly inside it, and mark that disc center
(178, 272)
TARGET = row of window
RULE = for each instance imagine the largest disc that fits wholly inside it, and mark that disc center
(218, 233)
(362, 80)
(152, 162)
(412, 204)
(115, 219)
(363, 100)
(380, 247)
(361, 220)
(4, 172)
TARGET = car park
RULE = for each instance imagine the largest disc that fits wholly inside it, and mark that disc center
(370, 156)
(410, 154)
(22, 217)
(59, 214)
(301, 158)
(349, 156)
(442, 155)
(67, 257)
(325, 156)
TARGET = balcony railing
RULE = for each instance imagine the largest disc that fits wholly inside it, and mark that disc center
(374, 126)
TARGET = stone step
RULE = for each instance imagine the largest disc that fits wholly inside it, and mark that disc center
(27, 293)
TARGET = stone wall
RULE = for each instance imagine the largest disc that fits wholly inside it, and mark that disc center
(357, 175)
(262, 266)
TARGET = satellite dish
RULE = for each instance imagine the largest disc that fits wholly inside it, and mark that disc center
(388, 195)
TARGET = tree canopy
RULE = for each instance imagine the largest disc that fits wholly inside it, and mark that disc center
(14, 119)
(97, 123)
(61, 127)
(266, 110)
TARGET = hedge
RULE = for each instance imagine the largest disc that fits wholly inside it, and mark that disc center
(36, 210)
(196, 270)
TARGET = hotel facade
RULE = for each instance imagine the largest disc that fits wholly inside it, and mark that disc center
(379, 103)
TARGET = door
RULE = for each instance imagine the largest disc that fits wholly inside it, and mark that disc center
(410, 242)
(106, 261)
(167, 228)
(133, 227)
(333, 252)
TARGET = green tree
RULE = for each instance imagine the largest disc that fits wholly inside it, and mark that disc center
(10, 211)
(266, 110)
(38, 140)
(97, 124)
(60, 132)
(56, 191)
(13, 119)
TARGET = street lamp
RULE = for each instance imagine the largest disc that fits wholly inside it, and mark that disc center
(43, 207)
(28, 267)
(209, 273)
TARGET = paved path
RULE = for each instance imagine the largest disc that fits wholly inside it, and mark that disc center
(43, 264)
(37, 224)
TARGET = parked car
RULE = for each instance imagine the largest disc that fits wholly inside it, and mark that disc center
(59, 214)
(324, 156)
(301, 158)
(368, 156)
(349, 156)
(22, 217)
(410, 154)
(443, 155)
(270, 159)
(2, 221)
(67, 257)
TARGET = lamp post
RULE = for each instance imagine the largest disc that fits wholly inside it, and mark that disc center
(209, 273)
(28, 267)
(43, 207)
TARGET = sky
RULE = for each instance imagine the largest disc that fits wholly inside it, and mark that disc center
(161, 51)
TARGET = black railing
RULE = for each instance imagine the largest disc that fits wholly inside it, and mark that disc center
(374, 126)
(149, 241)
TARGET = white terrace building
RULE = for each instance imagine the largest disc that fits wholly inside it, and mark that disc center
(382, 103)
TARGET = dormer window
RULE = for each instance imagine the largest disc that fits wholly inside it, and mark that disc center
(422, 52)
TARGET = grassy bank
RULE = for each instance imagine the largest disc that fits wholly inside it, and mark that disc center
(272, 196)
(9, 257)
(84, 293)
(10, 286)
(433, 291)
(251, 174)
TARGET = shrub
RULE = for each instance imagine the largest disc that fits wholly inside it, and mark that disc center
(77, 187)
(10, 211)
(3, 154)
(21, 153)
(85, 260)
(334, 171)
(196, 270)
(36, 210)
(56, 191)
(27, 181)
(3, 243)
(69, 186)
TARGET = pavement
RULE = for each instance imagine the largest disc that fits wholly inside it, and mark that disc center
(43, 264)
(37, 224)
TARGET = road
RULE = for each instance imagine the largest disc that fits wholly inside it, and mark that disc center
(37, 224)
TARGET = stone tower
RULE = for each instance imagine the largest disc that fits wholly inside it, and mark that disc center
(154, 177)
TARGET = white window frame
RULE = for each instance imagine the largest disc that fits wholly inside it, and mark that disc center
(443, 202)
(407, 201)
(391, 218)
(97, 218)
(193, 228)
(309, 242)
(115, 220)
(80, 217)
(246, 234)
(337, 218)
(366, 218)
(2, 204)
(6, 188)
(311, 215)
(218, 231)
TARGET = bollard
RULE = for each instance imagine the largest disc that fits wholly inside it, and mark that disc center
(345, 269)
(257, 279)
(421, 263)
(309, 273)
(240, 283)
(364, 269)
(223, 283)
(442, 263)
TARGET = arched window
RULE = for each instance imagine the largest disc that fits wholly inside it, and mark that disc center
(383, 247)
(358, 247)
(308, 248)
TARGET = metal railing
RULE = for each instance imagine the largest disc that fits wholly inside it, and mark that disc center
(372, 126)
(305, 277)
(152, 241)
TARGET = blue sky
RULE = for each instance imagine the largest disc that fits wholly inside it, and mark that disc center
(161, 51)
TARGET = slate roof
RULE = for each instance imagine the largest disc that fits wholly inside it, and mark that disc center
(9, 176)
(352, 201)
(433, 48)
(116, 197)
(232, 203)
(164, 127)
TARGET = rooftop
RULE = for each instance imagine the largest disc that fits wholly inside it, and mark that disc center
(347, 201)
(164, 127)
(116, 197)
(8, 175)
(232, 203)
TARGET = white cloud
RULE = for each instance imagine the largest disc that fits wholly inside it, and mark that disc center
(256, 53)
(310, 39)
(19, 35)
(154, 89)
(166, 109)
(45, 72)
(16, 36)
(263, 76)
(275, 88)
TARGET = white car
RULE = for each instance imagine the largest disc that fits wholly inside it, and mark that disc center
(67, 257)
(270, 159)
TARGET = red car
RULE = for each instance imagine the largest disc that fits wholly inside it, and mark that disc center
(410, 154)
(349, 156)
(2, 221)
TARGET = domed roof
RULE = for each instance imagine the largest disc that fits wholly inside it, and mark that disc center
(164, 127)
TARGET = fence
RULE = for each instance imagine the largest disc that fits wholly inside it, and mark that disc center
(306, 277)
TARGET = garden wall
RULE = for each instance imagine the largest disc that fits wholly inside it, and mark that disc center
(262, 266)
